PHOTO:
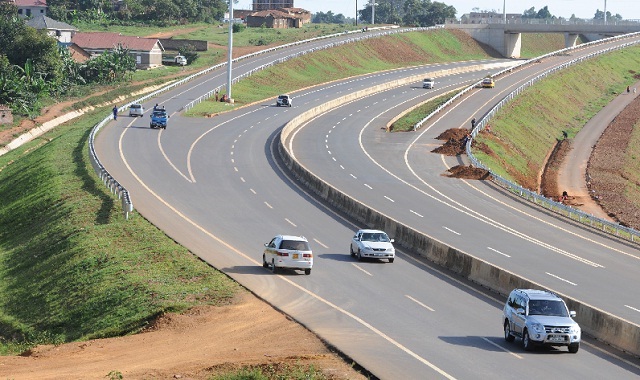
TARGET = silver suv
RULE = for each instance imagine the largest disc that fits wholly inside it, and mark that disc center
(283, 101)
(539, 317)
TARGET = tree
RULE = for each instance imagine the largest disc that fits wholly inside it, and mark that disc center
(530, 13)
(387, 12)
(426, 13)
(544, 13)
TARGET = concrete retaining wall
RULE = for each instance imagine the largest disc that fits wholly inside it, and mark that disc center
(619, 333)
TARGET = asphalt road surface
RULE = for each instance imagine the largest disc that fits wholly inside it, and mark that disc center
(216, 186)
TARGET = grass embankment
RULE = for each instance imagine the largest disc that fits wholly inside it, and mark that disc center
(371, 55)
(527, 129)
(71, 267)
(537, 44)
(219, 34)
(411, 118)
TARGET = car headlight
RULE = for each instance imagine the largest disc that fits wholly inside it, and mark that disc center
(574, 330)
(537, 328)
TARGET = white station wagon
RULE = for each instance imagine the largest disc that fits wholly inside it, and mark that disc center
(372, 243)
(286, 251)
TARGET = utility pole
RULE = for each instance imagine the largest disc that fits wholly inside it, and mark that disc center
(504, 11)
(373, 12)
(605, 12)
(230, 58)
(356, 12)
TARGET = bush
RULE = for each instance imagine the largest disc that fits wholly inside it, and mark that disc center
(237, 28)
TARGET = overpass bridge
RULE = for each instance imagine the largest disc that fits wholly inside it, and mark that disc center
(507, 38)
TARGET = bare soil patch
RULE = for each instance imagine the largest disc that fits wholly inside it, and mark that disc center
(605, 168)
(455, 142)
(205, 341)
(467, 172)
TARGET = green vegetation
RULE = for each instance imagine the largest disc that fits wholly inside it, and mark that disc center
(526, 130)
(371, 55)
(537, 44)
(71, 267)
(275, 371)
(219, 33)
(410, 119)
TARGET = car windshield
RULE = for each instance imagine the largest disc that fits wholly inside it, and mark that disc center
(547, 307)
(375, 236)
(295, 245)
(136, 106)
(159, 113)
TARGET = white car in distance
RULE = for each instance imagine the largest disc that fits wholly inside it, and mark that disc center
(287, 251)
(372, 243)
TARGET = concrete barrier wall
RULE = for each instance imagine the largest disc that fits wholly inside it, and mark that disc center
(619, 333)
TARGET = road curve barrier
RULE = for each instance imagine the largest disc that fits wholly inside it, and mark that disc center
(116, 187)
(105, 177)
(617, 332)
(540, 200)
(362, 37)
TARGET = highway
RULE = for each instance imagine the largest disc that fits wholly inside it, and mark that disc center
(217, 187)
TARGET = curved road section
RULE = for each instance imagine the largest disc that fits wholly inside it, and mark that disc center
(218, 187)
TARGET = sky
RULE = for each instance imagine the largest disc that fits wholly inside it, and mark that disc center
(628, 9)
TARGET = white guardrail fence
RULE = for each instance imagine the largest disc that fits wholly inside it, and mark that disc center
(550, 204)
(121, 191)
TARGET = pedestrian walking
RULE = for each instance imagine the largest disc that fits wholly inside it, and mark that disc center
(473, 123)
(216, 95)
(115, 112)
(628, 89)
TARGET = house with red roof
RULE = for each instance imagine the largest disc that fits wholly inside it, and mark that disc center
(30, 8)
(279, 18)
(146, 51)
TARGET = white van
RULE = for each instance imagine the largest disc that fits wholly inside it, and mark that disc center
(428, 83)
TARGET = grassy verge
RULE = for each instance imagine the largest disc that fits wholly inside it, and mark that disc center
(71, 267)
(407, 121)
(376, 54)
(275, 371)
(526, 130)
(219, 34)
(537, 44)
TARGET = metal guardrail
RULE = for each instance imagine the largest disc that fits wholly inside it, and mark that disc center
(107, 179)
(572, 213)
(121, 191)
(211, 93)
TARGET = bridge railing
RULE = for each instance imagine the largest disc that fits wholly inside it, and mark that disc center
(536, 21)
(568, 211)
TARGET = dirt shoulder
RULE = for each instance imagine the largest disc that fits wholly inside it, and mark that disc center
(195, 345)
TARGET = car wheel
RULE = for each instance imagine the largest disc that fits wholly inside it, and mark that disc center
(507, 332)
(391, 260)
(307, 271)
(274, 268)
(353, 254)
(574, 347)
(264, 262)
(526, 341)
(359, 255)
